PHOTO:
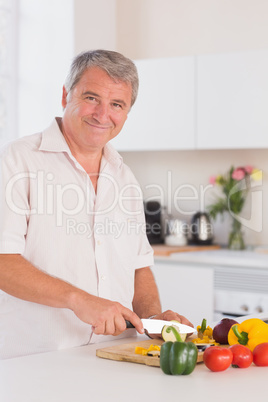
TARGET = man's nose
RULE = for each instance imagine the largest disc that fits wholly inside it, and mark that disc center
(101, 112)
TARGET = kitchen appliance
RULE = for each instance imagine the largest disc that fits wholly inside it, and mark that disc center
(153, 217)
(176, 233)
(240, 292)
(201, 230)
(154, 326)
(239, 280)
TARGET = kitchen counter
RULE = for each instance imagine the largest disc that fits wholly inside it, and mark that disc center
(244, 258)
(222, 257)
(78, 375)
(228, 282)
(164, 250)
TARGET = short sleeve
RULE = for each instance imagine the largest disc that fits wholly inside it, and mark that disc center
(14, 203)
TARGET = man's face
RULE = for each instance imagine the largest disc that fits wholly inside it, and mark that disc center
(95, 110)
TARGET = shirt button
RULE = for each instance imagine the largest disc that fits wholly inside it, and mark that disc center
(98, 242)
(103, 277)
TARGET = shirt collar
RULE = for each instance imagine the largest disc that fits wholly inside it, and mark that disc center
(111, 155)
(54, 141)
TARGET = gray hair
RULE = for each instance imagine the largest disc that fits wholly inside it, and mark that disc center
(117, 66)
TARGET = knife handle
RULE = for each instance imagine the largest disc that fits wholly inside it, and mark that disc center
(129, 325)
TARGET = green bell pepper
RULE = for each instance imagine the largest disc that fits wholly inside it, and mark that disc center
(178, 358)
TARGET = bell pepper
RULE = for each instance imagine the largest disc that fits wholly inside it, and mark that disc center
(178, 358)
(205, 334)
(143, 351)
(250, 333)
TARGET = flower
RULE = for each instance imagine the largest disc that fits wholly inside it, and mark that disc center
(249, 169)
(256, 175)
(212, 180)
(235, 185)
(239, 174)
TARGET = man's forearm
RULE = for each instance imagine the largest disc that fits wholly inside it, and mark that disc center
(19, 278)
(146, 300)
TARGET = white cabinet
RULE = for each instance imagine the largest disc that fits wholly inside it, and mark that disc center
(216, 101)
(232, 100)
(163, 116)
(186, 289)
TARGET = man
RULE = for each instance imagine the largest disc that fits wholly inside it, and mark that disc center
(75, 259)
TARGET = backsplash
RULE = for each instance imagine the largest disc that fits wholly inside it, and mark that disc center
(180, 181)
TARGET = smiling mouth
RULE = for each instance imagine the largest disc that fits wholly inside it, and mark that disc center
(98, 126)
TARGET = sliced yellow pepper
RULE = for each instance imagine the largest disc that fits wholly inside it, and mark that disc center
(139, 350)
(205, 339)
(143, 351)
(250, 333)
(153, 347)
(205, 334)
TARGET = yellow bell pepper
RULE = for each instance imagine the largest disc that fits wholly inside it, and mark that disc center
(143, 351)
(250, 333)
(205, 334)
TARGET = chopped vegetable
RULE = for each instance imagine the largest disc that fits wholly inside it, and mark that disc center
(205, 334)
(250, 333)
(178, 358)
(172, 333)
(203, 330)
(143, 351)
(154, 353)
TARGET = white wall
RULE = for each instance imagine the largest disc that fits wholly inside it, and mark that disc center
(46, 50)
(157, 28)
(95, 24)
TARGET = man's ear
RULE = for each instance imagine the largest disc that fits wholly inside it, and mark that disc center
(64, 97)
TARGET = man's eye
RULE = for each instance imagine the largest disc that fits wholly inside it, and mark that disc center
(117, 105)
(91, 98)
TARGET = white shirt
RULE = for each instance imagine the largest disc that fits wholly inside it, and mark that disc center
(50, 214)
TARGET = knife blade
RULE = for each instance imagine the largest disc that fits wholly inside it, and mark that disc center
(154, 326)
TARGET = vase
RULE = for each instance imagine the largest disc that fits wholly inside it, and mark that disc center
(236, 239)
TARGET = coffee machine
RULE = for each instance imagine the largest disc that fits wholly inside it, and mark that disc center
(153, 217)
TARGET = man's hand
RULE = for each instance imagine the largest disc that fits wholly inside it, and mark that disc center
(170, 315)
(146, 300)
(105, 316)
(21, 279)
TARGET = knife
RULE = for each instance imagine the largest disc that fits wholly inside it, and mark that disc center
(154, 326)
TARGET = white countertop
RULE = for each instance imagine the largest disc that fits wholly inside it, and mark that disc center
(77, 375)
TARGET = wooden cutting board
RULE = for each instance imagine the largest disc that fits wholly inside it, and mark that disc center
(163, 250)
(126, 353)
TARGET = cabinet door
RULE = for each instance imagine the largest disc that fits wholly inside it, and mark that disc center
(188, 290)
(232, 100)
(163, 116)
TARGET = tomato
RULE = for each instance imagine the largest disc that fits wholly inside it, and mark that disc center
(242, 356)
(260, 354)
(217, 358)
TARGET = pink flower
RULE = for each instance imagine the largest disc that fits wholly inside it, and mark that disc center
(212, 180)
(238, 174)
(248, 169)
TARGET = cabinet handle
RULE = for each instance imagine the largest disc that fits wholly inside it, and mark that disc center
(244, 307)
(259, 309)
